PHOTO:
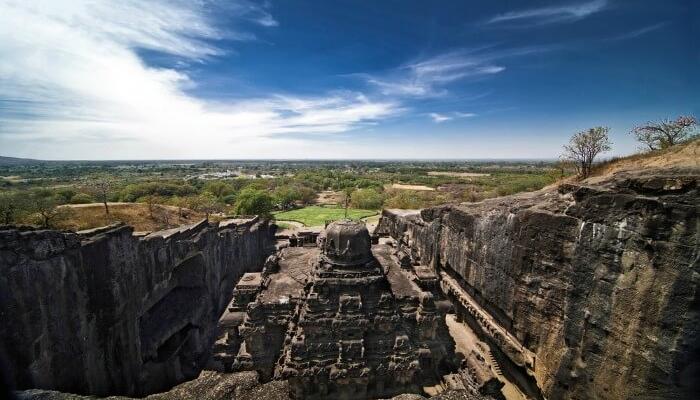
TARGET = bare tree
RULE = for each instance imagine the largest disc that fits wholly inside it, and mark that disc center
(665, 133)
(584, 146)
(101, 187)
(152, 203)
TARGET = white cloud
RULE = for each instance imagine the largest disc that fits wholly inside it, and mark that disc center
(425, 78)
(440, 118)
(70, 74)
(464, 114)
(549, 15)
(639, 32)
(429, 77)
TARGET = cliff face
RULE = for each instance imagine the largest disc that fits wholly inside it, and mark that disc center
(597, 281)
(105, 312)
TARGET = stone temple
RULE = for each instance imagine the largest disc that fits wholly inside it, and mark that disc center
(342, 320)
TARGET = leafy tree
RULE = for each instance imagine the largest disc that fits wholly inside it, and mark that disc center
(229, 199)
(584, 146)
(286, 196)
(218, 188)
(65, 195)
(12, 206)
(665, 133)
(136, 191)
(253, 202)
(44, 203)
(206, 203)
(366, 198)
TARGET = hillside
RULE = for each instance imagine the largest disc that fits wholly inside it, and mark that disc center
(17, 161)
(682, 156)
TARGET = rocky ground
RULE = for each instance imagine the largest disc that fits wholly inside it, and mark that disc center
(212, 385)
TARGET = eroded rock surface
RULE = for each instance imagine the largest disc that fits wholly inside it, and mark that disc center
(591, 288)
(107, 312)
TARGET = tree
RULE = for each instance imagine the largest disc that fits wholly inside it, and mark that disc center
(665, 133)
(218, 188)
(101, 187)
(286, 196)
(347, 195)
(181, 203)
(12, 207)
(152, 203)
(253, 202)
(584, 146)
(368, 199)
(45, 204)
(207, 203)
(65, 195)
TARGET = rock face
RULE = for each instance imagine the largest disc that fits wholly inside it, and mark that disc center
(107, 312)
(590, 288)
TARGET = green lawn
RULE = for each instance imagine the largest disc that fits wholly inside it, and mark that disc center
(317, 216)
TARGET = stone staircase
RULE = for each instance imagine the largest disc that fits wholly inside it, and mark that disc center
(494, 363)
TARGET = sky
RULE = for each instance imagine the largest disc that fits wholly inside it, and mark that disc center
(391, 79)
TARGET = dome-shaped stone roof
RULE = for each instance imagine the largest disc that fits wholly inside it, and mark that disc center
(347, 242)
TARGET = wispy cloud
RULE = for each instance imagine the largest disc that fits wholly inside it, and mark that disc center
(71, 70)
(428, 77)
(440, 118)
(550, 15)
(639, 32)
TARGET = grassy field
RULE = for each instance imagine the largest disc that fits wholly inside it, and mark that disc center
(317, 216)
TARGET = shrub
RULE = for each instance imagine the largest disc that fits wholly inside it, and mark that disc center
(253, 202)
(82, 198)
(368, 199)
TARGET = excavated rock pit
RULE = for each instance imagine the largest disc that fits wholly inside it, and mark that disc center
(584, 290)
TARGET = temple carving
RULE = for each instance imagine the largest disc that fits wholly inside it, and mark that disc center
(342, 320)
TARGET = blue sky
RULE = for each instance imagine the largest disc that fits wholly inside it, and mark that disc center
(338, 79)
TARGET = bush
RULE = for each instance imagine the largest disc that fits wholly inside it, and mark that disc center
(254, 202)
(229, 199)
(406, 199)
(133, 192)
(13, 206)
(82, 198)
(219, 189)
(65, 195)
(368, 199)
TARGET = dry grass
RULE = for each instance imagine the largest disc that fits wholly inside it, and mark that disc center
(87, 216)
(412, 187)
(330, 197)
(686, 155)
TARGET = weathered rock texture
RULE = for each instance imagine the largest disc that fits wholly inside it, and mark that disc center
(108, 312)
(355, 328)
(597, 281)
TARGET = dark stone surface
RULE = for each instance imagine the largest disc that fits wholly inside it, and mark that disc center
(598, 279)
(105, 312)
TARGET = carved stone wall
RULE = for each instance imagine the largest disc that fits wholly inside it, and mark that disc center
(599, 281)
(107, 312)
